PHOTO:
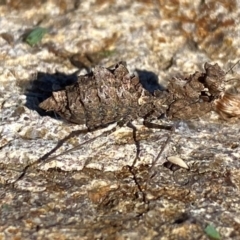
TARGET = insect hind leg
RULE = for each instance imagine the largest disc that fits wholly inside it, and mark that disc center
(46, 157)
(142, 188)
(171, 129)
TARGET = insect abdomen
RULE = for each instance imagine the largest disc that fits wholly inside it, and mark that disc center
(99, 98)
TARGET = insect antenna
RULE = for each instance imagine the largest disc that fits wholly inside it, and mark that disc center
(231, 68)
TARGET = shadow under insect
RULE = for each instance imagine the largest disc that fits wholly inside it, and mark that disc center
(42, 87)
(149, 80)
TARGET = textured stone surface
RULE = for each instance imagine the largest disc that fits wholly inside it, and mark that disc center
(94, 192)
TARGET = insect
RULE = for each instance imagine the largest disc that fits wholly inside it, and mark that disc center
(108, 95)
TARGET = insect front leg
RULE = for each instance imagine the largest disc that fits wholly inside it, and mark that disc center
(170, 128)
(131, 167)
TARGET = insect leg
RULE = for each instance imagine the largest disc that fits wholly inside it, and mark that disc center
(156, 126)
(46, 159)
(148, 124)
(165, 127)
(130, 125)
(131, 167)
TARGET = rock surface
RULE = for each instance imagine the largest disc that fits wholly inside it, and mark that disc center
(100, 190)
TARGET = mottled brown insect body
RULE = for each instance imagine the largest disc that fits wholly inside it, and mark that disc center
(194, 96)
(104, 96)
(214, 79)
(109, 95)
